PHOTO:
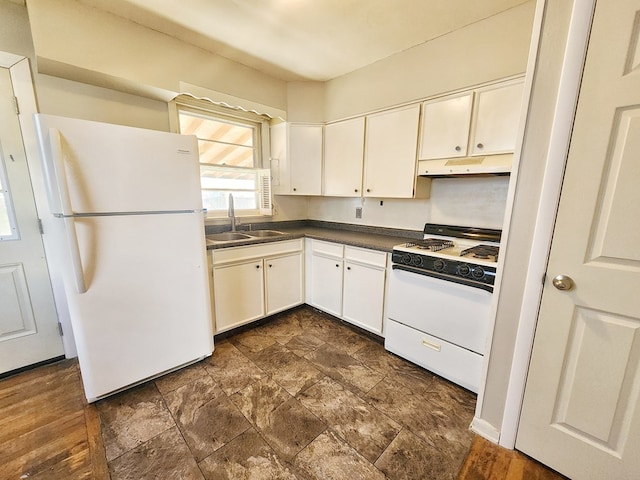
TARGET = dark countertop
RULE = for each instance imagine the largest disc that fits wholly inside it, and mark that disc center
(375, 238)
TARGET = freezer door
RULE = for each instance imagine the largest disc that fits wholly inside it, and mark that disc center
(147, 306)
(112, 168)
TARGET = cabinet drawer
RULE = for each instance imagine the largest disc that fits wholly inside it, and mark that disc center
(247, 252)
(459, 365)
(370, 257)
(327, 248)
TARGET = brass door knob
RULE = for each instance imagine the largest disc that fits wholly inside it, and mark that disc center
(563, 282)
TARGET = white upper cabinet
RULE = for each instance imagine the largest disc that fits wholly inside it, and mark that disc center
(391, 142)
(480, 122)
(445, 126)
(296, 159)
(496, 118)
(343, 158)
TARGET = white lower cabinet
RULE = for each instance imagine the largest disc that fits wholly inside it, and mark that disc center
(284, 288)
(252, 282)
(326, 283)
(348, 282)
(238, 294)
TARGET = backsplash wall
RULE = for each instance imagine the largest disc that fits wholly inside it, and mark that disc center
(476, 202)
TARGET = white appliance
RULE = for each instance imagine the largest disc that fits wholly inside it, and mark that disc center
(439, 299)
(128, 244)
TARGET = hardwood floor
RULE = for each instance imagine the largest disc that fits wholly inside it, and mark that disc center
(487, 461)
(48, 431)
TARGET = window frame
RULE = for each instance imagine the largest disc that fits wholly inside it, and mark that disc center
(261, 147)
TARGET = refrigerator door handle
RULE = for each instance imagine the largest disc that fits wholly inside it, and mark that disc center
(67, 213)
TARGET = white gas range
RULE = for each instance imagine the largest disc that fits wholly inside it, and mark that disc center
(440, 293)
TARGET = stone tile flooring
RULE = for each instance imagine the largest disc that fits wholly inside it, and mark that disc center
(303, 397)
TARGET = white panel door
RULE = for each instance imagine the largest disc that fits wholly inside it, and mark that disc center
(581, 412)
(305, 159)
(363, 298)
(326, 284)
(28, 321)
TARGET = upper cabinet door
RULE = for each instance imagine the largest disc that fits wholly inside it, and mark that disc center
(390, 153)
(496, 118)
(445, 127)
(343, 158)
(305, 159)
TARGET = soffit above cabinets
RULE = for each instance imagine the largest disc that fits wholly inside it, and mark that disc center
(297, 40)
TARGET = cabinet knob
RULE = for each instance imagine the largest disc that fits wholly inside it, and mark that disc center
(348, 268)
(294, 189)
(337, 264)
(356, 190)
(368, 190)
(270, 265)
(258, 266)
(458, 148)
(480, 145)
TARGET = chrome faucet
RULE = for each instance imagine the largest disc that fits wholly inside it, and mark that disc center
(232, 213)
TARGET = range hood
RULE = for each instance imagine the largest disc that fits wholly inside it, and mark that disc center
(449, 167)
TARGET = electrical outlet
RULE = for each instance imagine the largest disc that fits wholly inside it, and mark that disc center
(358, 212)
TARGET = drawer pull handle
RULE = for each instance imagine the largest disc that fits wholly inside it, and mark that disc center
(431, 345)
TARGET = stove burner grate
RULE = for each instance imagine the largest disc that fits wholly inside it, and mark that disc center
(481, 251)
(431, 244)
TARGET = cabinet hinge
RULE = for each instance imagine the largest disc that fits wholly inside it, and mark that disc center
(16, 105)
(60, 330)
(40, 227)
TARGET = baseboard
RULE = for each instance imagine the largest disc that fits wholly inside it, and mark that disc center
(485, 429)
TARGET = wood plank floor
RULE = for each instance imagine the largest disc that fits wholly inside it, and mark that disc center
(48, 431)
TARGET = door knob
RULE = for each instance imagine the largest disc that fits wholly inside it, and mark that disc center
(563, 282)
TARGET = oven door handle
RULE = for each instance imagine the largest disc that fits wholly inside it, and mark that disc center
(445, 277)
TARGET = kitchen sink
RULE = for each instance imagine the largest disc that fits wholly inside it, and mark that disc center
(227, 236)
(265, 233)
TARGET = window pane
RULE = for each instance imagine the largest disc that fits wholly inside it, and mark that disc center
(7, 230)
(219, 200)
(218, 130)
(224, 154)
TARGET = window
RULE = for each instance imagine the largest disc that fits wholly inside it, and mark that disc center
(230, 146)
(8, 229)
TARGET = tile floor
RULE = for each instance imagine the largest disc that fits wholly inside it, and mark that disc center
(302, 396)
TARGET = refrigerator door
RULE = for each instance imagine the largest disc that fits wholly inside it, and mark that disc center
(147, 306)
(112, 168)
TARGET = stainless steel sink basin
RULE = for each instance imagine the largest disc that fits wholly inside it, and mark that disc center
(265, 233)
(227, 236)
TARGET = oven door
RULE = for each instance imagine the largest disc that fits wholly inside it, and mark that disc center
(454, 312)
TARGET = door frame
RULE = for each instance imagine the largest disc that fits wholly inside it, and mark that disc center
(563, 118)
(23, 89)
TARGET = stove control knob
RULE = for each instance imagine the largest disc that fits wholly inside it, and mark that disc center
(406, 259)
(439, 265)
(478, 273)
(416, 261)
(464, 270)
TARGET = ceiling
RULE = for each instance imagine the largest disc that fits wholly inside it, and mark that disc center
(297, 40)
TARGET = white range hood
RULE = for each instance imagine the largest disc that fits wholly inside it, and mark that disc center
(447, 167)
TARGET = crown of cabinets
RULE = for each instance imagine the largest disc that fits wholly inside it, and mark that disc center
(478, 122)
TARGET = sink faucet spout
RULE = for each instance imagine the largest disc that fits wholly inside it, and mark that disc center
(232, 213)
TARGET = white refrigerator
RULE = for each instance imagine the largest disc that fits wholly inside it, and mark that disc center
(126, 234)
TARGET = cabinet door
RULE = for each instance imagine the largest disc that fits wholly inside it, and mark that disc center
(283, 282)
(363, 298)
(343, 158)
(326, 284)
(305, 159)
(496, 119)
(238, 294)
(390, 153)
(279, 165)
(445, 127)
